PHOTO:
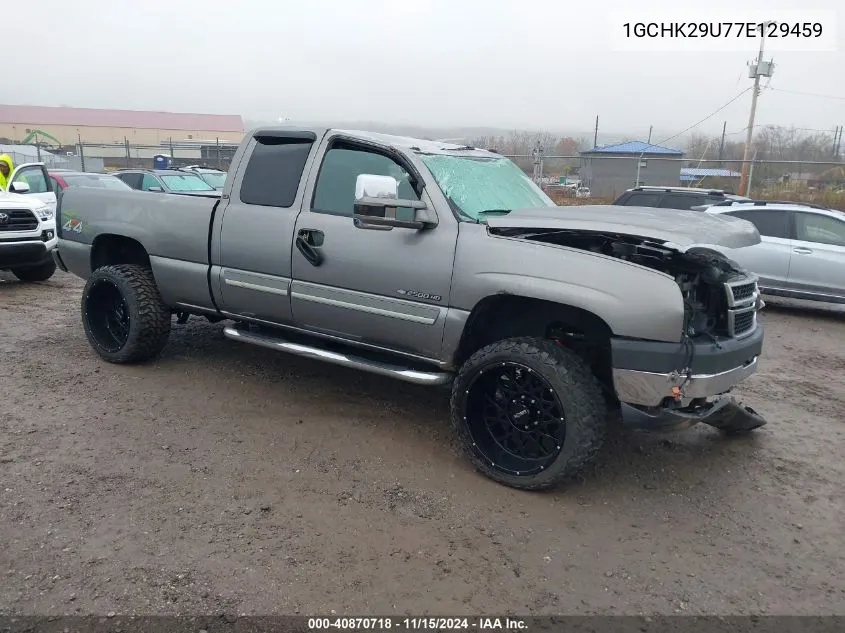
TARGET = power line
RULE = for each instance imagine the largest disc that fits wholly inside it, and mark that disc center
(807, 94)
(759, 125)
(709, 116)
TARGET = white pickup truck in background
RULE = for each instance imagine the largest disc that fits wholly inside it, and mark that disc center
(28, 224)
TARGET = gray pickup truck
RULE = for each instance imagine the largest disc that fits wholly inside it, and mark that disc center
(436, 264)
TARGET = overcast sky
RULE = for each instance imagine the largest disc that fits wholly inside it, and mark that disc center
(532, 64)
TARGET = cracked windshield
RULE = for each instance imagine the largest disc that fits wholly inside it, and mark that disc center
(479, 185)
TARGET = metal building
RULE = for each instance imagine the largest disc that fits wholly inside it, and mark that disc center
(609, 170)
(66, 126)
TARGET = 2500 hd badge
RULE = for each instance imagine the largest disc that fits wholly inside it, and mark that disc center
(419, 295)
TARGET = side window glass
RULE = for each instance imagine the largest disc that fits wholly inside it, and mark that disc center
(641, 199)
(34, 177)
(149, 181)
(682, 202)
(822, 229)
(272, 175)
(769, 223)
(133, 180)
(335, 189)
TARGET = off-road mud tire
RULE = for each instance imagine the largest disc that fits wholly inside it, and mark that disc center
(149, 318)
(579, 392)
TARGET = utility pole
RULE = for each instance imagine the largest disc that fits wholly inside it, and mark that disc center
(750, 176)
(596, 135)
(756, 70)
(839, 143)
(722, 144)
(538, 164)
(650, 128)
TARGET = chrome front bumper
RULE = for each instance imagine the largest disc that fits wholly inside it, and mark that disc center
(650, 389)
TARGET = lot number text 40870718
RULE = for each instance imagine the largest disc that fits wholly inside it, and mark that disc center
(417, 624)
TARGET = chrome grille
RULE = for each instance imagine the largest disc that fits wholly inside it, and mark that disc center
(742, 298)
(17, 220)
(743, 292)
(744, 321)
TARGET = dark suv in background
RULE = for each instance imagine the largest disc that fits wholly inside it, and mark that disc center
(674, 197)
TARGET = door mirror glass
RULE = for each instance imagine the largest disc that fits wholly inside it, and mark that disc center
(372, 186)
(155, 188)
(376, 201)
(19, 186)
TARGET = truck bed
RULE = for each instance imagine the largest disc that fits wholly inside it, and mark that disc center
(174, 230)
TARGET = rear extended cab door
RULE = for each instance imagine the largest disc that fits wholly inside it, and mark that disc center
(36, 177)
(253, 230)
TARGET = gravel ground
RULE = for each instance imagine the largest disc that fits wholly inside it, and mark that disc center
(227, 478)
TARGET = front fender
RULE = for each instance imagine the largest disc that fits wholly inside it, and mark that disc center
(635, 302)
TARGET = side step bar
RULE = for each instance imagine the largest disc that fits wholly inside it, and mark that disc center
(345, 360)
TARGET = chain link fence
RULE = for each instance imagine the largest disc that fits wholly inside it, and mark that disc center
(100, 157)
(603, 178)
(210, 154)
(567, 178)
(51, 160)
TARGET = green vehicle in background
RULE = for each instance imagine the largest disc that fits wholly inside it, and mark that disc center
(214, 177)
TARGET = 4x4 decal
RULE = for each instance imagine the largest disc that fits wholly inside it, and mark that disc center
(72, 224)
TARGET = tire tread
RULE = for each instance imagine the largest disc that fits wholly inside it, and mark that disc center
(153, 316)
(586, 409)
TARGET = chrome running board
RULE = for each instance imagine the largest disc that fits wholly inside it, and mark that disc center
(344, 360)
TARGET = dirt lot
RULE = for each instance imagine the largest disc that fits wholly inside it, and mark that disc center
(226, 478)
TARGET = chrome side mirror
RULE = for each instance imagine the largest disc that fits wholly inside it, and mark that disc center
(376, 201)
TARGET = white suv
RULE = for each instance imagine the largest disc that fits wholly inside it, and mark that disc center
(802, 250)
(28, 224)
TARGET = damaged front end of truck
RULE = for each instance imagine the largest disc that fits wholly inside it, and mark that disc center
(660, 385)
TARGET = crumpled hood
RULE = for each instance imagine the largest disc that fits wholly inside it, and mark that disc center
(681, 230)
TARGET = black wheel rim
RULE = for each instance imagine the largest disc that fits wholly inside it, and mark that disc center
(108, 316)
(515, 419)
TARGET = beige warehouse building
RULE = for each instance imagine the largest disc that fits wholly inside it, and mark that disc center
(68, 125)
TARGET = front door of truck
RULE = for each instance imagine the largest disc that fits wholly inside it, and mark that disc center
(35, 176)
(385, 288)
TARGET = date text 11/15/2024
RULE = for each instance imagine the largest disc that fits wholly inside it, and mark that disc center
(416, 624)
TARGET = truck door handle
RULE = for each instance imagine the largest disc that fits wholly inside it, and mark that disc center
(308, 241)
(314, 237)
(803, 251)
